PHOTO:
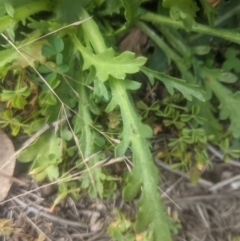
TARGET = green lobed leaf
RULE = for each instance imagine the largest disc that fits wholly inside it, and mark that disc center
(232, 60)
(144, 174)
(111, 7)
(189, 7)
(131, 10)
(92, 180)
(230, 102)
(107, 63)
(69, 11)
(184, 10)
(48, 51)
(228, 77)
(188, 90)
(46, 144)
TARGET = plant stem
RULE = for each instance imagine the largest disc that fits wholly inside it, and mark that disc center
(219, 21)
(230, 35)
(167, 50)
(91, 31)
(145, 174)
(205, 108)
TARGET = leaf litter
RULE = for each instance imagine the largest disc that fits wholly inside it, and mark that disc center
(199, 213)
(7, 164)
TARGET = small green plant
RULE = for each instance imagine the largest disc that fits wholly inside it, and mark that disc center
(67, 65)
(232, 61)
(122, 229)
(187, 150)
(228, 150)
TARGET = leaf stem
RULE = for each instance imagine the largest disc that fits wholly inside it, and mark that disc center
(91, 31)
(230, 35)
(167, 50)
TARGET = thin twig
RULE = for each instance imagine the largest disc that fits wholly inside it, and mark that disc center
(14, 179)
(218, 154)
(201, 198)
(224, 183)
(38, 230)
(201, 214)
(201, 181)
(28, 209)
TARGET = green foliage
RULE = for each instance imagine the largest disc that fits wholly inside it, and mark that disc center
(131, 10)
(209, 11)
(8, 119)
(66, 188)
(229, 101)
(46, 160)
(170, 83)
(16, 98)
(81, 74)
(122, 229)
(228, 151)
(188, 149)
(111, 7)
(146, 109)
(107, 63)
(184, 10)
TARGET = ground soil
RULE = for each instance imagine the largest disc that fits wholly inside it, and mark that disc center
(207, 211)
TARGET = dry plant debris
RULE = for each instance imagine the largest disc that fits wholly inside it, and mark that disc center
(7, 164)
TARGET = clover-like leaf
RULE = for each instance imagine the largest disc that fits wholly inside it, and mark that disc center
(188, 7)
(66, 134)
(184, 10)
(232, 60)
(48, 51)
(16, 98)
(54, 47)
